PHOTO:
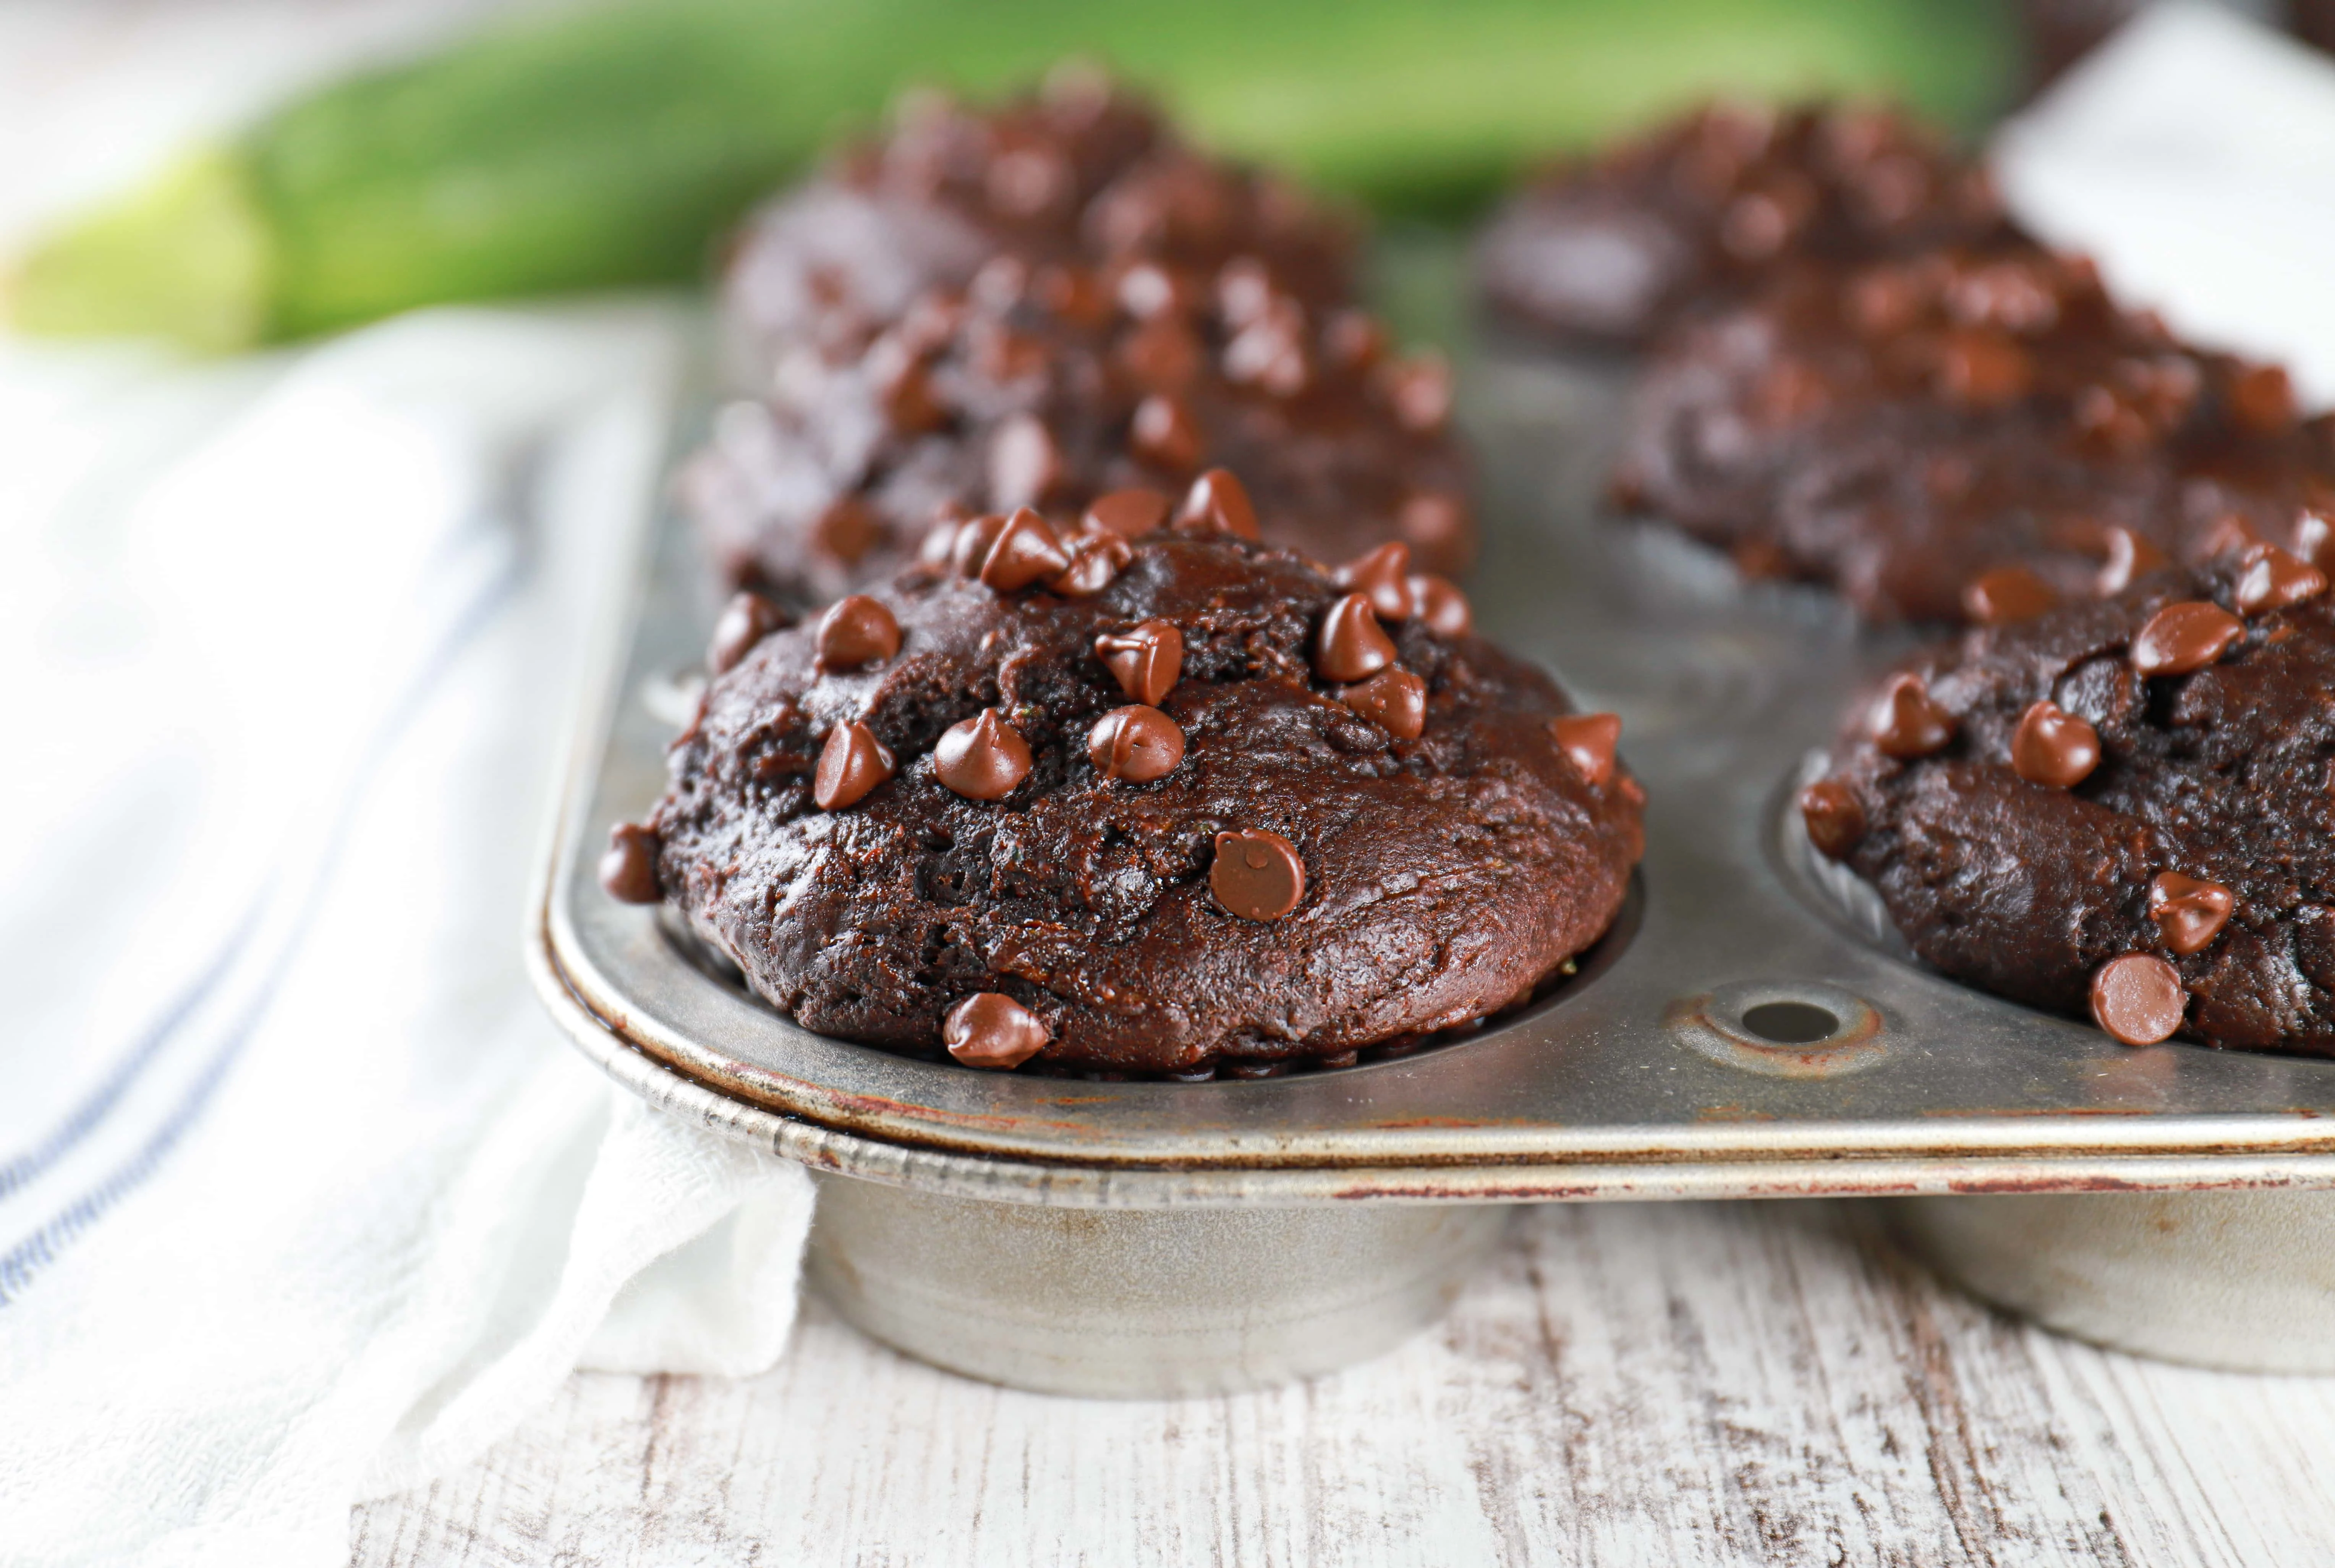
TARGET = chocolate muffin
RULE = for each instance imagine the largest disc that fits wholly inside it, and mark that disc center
(1163, 805)
(1702, 213)
(1079, 173)
(2121, 806)
(1964, 435)
(1052, 385)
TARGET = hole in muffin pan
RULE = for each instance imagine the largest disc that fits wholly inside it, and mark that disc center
(1790, 1022)
(1554, 991)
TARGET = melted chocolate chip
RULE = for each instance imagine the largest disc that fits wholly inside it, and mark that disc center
(2137, 999)
(2272, 580)
(1217, 500)
(982, 757)
(1146, 662)
(1905, 722)
(857, 631)
(1834, 818)
(2185, 636)
(2054, 746)
(992, 1031)
(970, 548)
(1351, 646)
(2128, 556)
(851, 763)
(1588, 739)
(745, 621)
(1393, 699)
(2005, 594)
(1439, 605)
(628, 867)
(1421, 391)
(1025, 466)
(2189, 911)
(1130, 514)
(1025, 551)
(1137, 743)
(1165, 435)
(1383, 575)
(1096, 557)
(1257, 875)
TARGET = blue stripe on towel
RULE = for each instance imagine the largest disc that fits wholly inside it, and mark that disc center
(28, 1257)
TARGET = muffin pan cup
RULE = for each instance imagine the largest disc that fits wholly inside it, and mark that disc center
(1740, 1034)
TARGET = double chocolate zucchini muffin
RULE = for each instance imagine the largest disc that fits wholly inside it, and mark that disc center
(1052, 384)
(1964, 435)
(1704, 211)
(1079, 174)
(1165, 801)
(2123, 806)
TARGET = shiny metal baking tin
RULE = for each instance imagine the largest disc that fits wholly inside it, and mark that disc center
(1744, 1032)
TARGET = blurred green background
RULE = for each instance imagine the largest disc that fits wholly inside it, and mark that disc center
(611, 145)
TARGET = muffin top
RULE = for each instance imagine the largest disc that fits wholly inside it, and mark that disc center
(1615, 249)
(1049, 384)
(2120, 806)
(1079, 171)
(1963, 436)
(1167, 804)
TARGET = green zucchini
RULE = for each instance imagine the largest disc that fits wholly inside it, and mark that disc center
(611, 147)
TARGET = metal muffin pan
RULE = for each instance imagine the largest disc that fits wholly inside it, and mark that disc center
(1742, 1033)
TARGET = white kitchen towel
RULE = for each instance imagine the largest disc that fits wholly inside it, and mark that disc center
(2193, 155)
(302, 1197)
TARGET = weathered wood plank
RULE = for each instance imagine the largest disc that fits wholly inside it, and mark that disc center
(1681, 1384)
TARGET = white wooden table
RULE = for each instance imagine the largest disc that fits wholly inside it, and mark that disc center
(1663, 1384)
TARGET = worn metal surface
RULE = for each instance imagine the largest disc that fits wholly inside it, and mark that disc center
(2243, 1280)
(1141, 1303)
(1641, 1078)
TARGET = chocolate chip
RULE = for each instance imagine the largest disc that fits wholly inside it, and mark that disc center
(1220, 502)
(628, 867)
(1984, 370)
(1136, 743)
(2054, 746)
(1161, 355)
(2139, 999)
(1025, 551)
(2185, 636)
(857, 631)
(2189, 911)
(1439, 605)
(992, 1031)
(1096, 557)
(1434, 522)
(2272, 580)
(851, 763)
(2231, 533)
(1147, 661)
(1383, 575)
(847, 531)
(1420, 390)
(982, 757)
(2129, 556)
(1257, 875)
(1130, 514)
(1393, 699)
(2006, 595)
(1588, 739)
(1905, 722)
(1353, 340)
(971, 547)
(1833, 815)
(1351, 646)
(2261, 399)
(2314, 535)
(745, 621)
(1165, 435)
(1024, 464)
